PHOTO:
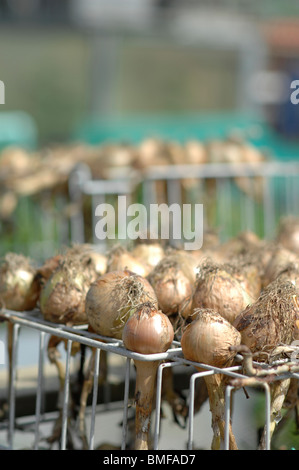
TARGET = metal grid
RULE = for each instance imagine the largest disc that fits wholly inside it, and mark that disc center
(172, 358)
(277, 196)
(271, 191)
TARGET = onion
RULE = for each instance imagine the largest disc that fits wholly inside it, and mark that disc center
(88, 254)
(19, 288)
(280, 259)
(62, 298)
(119, 259)
(288, 234)
(207, 340)
(246, 242)
(148, 331)
(271, 321)
(248, 272)
(44, 272)
(172, 280)
(19, 291)
(149, 253)
(112, 298)
(217, 288)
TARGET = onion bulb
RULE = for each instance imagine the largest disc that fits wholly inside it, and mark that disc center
(62, 298)
(207, 340)
(148, 331)
(119, 259)
(288, 234)
(271, 321)
(88, 255)
(280, 259)
(217, 288)
(112, 298)
(149, 253)
(19, 288)
(44, 272)
(172, 280)
(248, 272)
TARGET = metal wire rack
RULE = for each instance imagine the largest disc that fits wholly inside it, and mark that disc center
(230, 206)
(235, 197)
(170, 359)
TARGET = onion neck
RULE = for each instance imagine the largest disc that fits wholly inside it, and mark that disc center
(217, 405)
(144, 393)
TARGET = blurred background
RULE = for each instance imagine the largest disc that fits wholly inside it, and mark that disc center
(103, 71)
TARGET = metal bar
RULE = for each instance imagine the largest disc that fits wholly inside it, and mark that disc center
(228, 390)
(86, 338)
(66, 396)
(94, 398)
(39, 388)
(126, 401)
(191, 405)
(221, 170)
(77, 178)
(12, 384)
(158, 400)
(267, 414)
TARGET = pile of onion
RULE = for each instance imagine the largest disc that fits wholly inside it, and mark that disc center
(148, 331)
(62, 298)
(119, 259)
(218, 287)
(207, 340)
(19, 288)
(271, 321)
(113, 297)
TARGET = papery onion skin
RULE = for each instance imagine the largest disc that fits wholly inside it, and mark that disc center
(119, 259)
(280, 259)
(149, 253)
(62, 298)
(111, 299)
(172, 280)
(216, 288)
(19, 288)
(270, 320)
(288, 234)
(148, 332)
(207, 340)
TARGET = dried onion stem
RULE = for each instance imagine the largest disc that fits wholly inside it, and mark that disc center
(207, 340)
(148, 331)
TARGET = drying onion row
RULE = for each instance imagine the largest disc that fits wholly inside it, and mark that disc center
(242, 292)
